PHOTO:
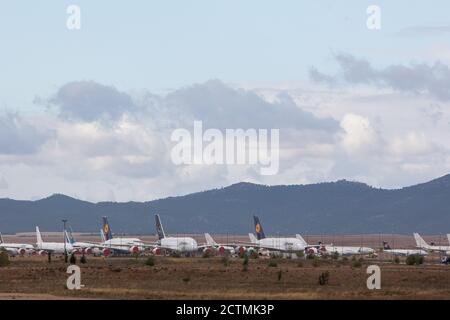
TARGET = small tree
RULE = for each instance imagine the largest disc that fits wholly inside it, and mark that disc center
(150, 261)
(4, 259)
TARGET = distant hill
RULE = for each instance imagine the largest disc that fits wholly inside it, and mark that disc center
(323, 208)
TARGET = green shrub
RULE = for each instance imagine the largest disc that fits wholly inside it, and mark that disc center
(280, 274)
(323, 278)
(334, 255)
(150, 261)
(226, 260)
(356, 264)
(4, 259)
(207, 254)
(414, 259)
(245, 263)
(396, 260)
(316, 262)
(273, 263)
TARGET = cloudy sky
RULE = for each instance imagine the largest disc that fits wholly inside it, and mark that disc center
(89, 112)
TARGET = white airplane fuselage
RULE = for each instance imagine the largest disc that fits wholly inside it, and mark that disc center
(405, 252)
(281, 244)
(54, 247)
(181, 244)
(346, 251)
(17, 248)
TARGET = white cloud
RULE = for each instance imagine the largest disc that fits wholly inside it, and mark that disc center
(359, 135)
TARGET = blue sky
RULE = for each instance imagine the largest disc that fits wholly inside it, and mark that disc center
(161, 45)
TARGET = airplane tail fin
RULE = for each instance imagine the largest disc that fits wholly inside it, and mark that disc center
(106, 229)
(209, 240)
(386, 246)
(38, 236)
(258, 229)
(1, 238)
(448, 236)
(102, 235)
(252, 238)
(69, 236)
(159, 227)
(300, 238)
(420, 243)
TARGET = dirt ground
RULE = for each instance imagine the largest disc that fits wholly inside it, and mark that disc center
(215, 278)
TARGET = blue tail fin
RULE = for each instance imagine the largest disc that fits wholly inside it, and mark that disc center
(159, 227)
(258, 229)
(107, 229)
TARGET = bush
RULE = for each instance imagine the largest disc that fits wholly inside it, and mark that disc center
(316, 262)
(273, 263)
(414, 259)
(334, 255)
(226, 260)
(150, 261)
(356, 264)
(207, 254)
(300, 254)
(396, 260)
(254, 254)
(300, 264)
(73, 259)
(83, 259)
(245, 263)
(323, 278)
(4, 259)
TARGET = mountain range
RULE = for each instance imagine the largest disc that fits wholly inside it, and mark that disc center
(341, 207)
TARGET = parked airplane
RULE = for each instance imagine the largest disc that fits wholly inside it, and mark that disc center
(345, 250)
(220, 248)
(332, 249)
(173, 244)
(120, 245)
(274, 244)
(86, 247)
(45, 248)
(15, 249)
(422, 244)
(402, 252)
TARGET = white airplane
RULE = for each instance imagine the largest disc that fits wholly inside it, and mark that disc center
(45, 248)
(16, 249)
(119, 245)
(345, 250)
(173, 244)
(220, 248)
(403, 252)
(274, 244)
(87, 247)
(422, 244)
